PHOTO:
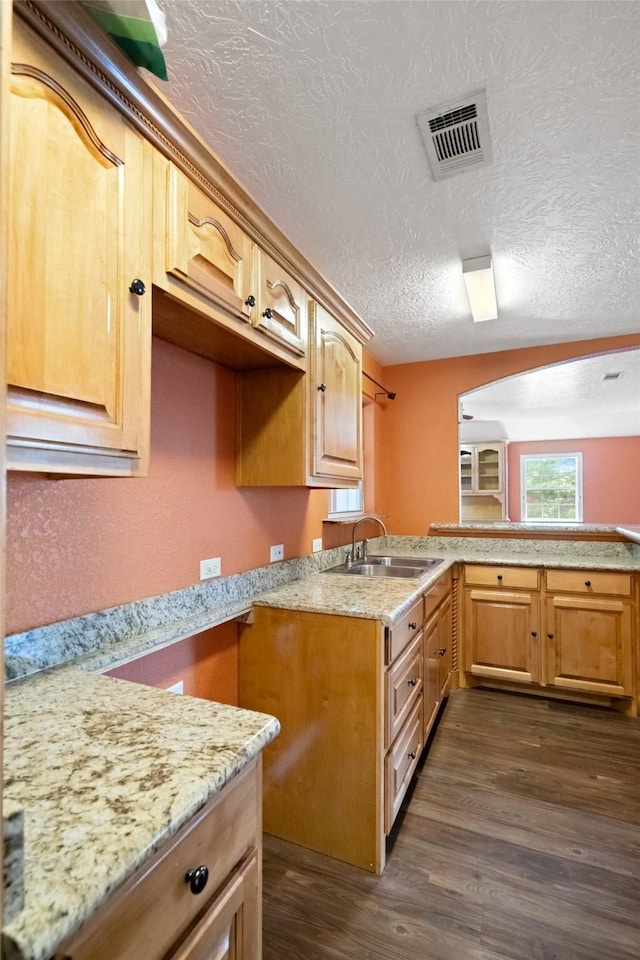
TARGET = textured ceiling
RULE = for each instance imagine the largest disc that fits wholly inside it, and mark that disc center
(566, 400)
(312, 107)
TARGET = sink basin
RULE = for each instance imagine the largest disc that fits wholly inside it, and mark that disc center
(405, 568)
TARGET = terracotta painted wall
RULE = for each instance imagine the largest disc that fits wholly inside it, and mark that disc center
(610, 476)
(79, 545)
(417, 460)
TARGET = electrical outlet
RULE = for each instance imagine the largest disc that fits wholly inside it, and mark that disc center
(210, 568)
(276, 552)
(316, 545)
(177, 687)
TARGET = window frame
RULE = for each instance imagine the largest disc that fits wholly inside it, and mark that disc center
(336, 512)
(578, 495)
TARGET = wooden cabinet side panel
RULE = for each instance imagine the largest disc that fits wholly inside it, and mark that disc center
(271, 428)
(322, 676)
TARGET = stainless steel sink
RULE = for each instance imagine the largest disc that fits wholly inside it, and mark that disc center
(405, 568)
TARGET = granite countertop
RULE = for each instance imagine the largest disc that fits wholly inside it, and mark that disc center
(106, 771)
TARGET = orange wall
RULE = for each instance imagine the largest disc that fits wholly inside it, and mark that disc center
(417, 461)
(610, 476)
(76, 545)
(207, 663)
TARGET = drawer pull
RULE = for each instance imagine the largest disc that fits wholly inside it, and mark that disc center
(412, 755)
(550, 636)
(268, 313)
(442, 651)
(412, 682)
(499, 577)
(412, 625)
(587, 583)
(250, 301)
(197, 879)
(137, 287)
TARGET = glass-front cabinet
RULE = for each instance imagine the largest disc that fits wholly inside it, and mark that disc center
(483, 482)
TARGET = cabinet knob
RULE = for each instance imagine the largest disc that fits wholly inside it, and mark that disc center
(499, 577)
(587, 583)
(533, 633)
(197, 878)
(550, 636)
(412, 682)
(412, 625)
(137, 287)
(268, 313)
(412, 755)
(442, 651)
(250, 301)
(322, 387)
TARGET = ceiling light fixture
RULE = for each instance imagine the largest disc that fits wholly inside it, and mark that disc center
(481, 288)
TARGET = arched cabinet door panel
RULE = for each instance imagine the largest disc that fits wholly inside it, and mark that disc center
(79, 297)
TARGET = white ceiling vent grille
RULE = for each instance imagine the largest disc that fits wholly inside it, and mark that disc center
(456, 135)
(612, 376)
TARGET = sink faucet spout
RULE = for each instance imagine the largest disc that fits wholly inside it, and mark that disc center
(352, 556)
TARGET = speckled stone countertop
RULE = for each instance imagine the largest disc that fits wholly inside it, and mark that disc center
(387, 600)
(106, 771)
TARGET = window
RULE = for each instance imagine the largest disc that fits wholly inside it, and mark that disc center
(551, 487)
(345, 503)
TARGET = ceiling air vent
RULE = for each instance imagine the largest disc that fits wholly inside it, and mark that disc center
(456, 135)
(612, 376)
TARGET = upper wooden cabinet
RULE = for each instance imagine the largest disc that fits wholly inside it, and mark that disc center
(208, 263)
(78, 343)
(483, 482)
(304, 430)
(336, 397)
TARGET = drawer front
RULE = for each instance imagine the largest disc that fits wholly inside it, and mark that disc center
(399, 635)
(436, 594)
(146, 916)
(400, 764)
(589, 581)
(404, 682)
(485, 575)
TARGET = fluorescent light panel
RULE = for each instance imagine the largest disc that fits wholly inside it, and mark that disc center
(481, 288)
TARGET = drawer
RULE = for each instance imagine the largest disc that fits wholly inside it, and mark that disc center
(589, 581)
(436, 594)
(400, 763)
(490, 575)
(404, 681)
(146, 916)
(399, 635)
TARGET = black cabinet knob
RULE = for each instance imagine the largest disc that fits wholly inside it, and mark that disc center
(137, 287)
(268, 313)
(550, 636)
(412, 625)
(499, 576)
(322, 387)
(442, 651)
(412, 682)
(197, 878)
(587, 583)
(533, 633)
(412, 755)
(250, 301)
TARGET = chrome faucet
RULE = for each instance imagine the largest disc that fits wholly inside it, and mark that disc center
(351, 557)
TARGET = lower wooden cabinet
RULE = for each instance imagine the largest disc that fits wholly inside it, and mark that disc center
(565, 630)
(156, 915)
(349, 694)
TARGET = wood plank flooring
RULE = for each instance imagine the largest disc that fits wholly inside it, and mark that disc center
(520, 841)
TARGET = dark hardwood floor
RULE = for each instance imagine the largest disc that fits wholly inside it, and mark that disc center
(520, 841)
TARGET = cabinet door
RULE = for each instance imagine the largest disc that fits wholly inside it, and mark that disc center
(229, 929)
(336, 400)
(281, 313)
(206, 251)
(78, 345)
(589, 644)
(502, 635)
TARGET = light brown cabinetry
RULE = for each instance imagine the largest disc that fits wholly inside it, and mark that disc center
(205, 261)
(501, 622)
(438, 642)
(304, 430)
(589, 623)
(569, 630)
(78, 342)
(483, 482)
(348, 692)
(157, 915)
